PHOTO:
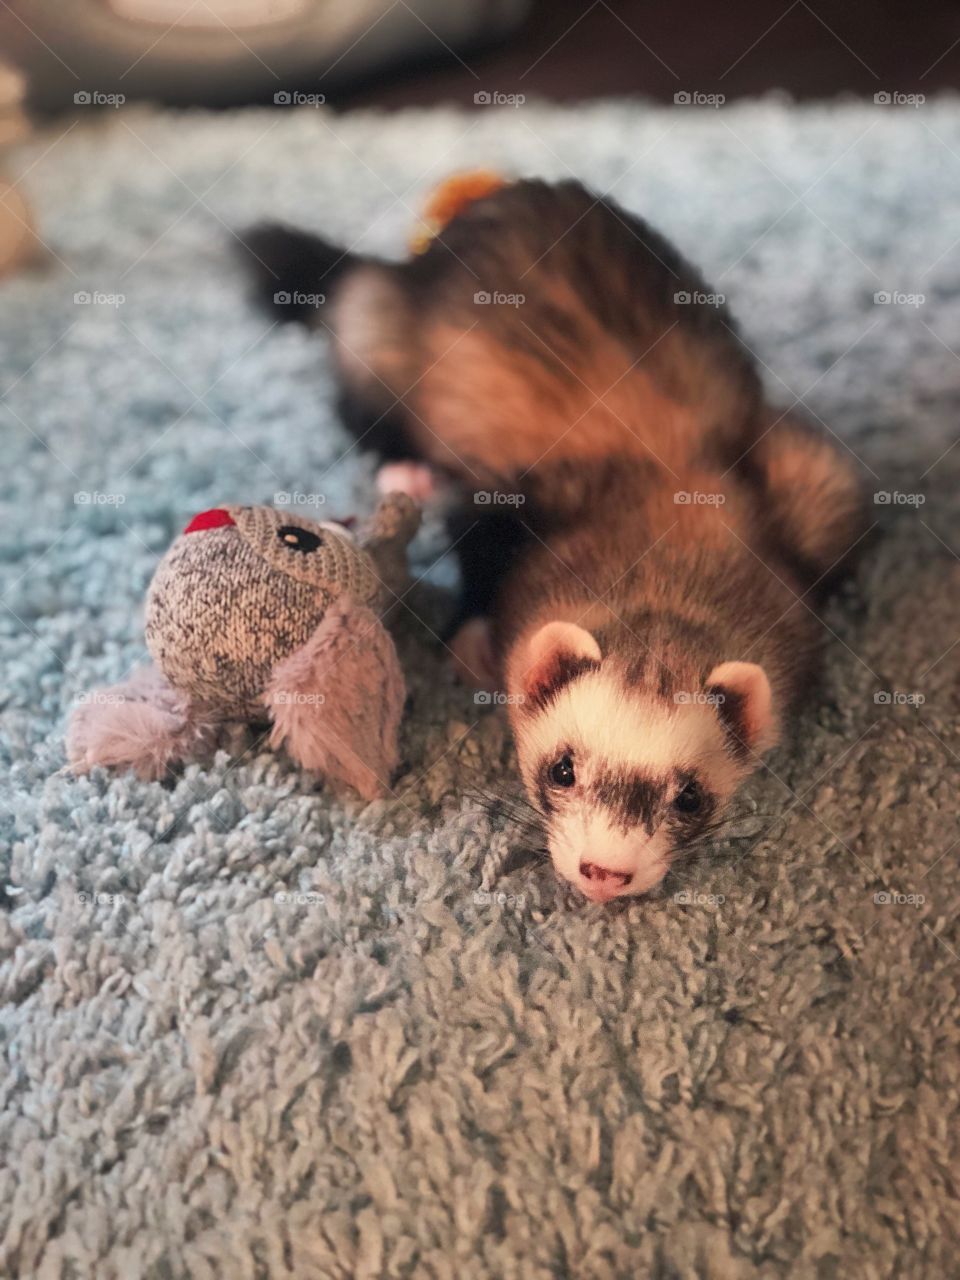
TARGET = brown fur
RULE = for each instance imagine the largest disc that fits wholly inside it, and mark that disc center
(596, 358)
(671, 589)
(599, 395)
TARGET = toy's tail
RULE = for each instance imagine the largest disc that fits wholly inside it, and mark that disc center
(293, 271)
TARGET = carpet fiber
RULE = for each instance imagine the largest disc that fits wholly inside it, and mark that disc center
(254, 1030)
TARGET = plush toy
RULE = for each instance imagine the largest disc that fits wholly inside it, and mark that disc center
(257, 614)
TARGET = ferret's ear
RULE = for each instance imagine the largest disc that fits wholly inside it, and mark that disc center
(552, 657)
(744, 704)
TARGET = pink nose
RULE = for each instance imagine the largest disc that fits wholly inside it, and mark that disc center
(601, 875)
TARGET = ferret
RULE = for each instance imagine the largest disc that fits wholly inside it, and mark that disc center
(647, 537)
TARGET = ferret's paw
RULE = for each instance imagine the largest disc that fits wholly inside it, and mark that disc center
(415, 479)
(472, 649)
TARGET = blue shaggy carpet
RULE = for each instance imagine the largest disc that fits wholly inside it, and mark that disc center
(251, 1029)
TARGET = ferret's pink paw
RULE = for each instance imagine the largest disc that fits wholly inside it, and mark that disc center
(415, 479)
(473, 660)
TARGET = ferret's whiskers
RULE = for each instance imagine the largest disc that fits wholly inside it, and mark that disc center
(485, 789)
(513, 807)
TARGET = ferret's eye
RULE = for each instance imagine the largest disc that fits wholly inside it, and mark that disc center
(561, 774)
(689, 799)
(297, 539)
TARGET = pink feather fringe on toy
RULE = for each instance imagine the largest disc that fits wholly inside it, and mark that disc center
(142, 724)
(336, 702)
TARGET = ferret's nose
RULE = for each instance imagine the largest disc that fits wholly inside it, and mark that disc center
(602, 876)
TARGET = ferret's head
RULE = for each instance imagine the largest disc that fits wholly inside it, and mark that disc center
(625, 775)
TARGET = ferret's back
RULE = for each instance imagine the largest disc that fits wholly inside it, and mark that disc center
(550, 321)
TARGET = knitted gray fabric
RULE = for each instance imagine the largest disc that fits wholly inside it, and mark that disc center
(219, 617)
(228, 603)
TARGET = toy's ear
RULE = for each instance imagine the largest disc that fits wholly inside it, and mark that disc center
(336, 701)
(384, 537)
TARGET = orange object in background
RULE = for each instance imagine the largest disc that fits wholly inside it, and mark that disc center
(447, 200)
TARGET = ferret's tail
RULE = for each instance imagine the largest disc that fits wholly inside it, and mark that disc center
(364, 307)
(814, 495)
(294, 272)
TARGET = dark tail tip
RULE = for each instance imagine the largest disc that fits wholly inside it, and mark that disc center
(293, 272)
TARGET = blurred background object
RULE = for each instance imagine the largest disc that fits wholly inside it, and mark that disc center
(402, 52)
(230, 52)
(17, 240)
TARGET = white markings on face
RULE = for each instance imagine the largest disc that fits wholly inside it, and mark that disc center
(615, 828)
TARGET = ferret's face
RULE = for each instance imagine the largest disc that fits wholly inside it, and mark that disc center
(626, 779)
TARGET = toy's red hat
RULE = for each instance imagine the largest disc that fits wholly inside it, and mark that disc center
(215, 518)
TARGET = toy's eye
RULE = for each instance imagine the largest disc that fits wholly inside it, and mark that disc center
(561, 774)
(689, 799)
(297, 539)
